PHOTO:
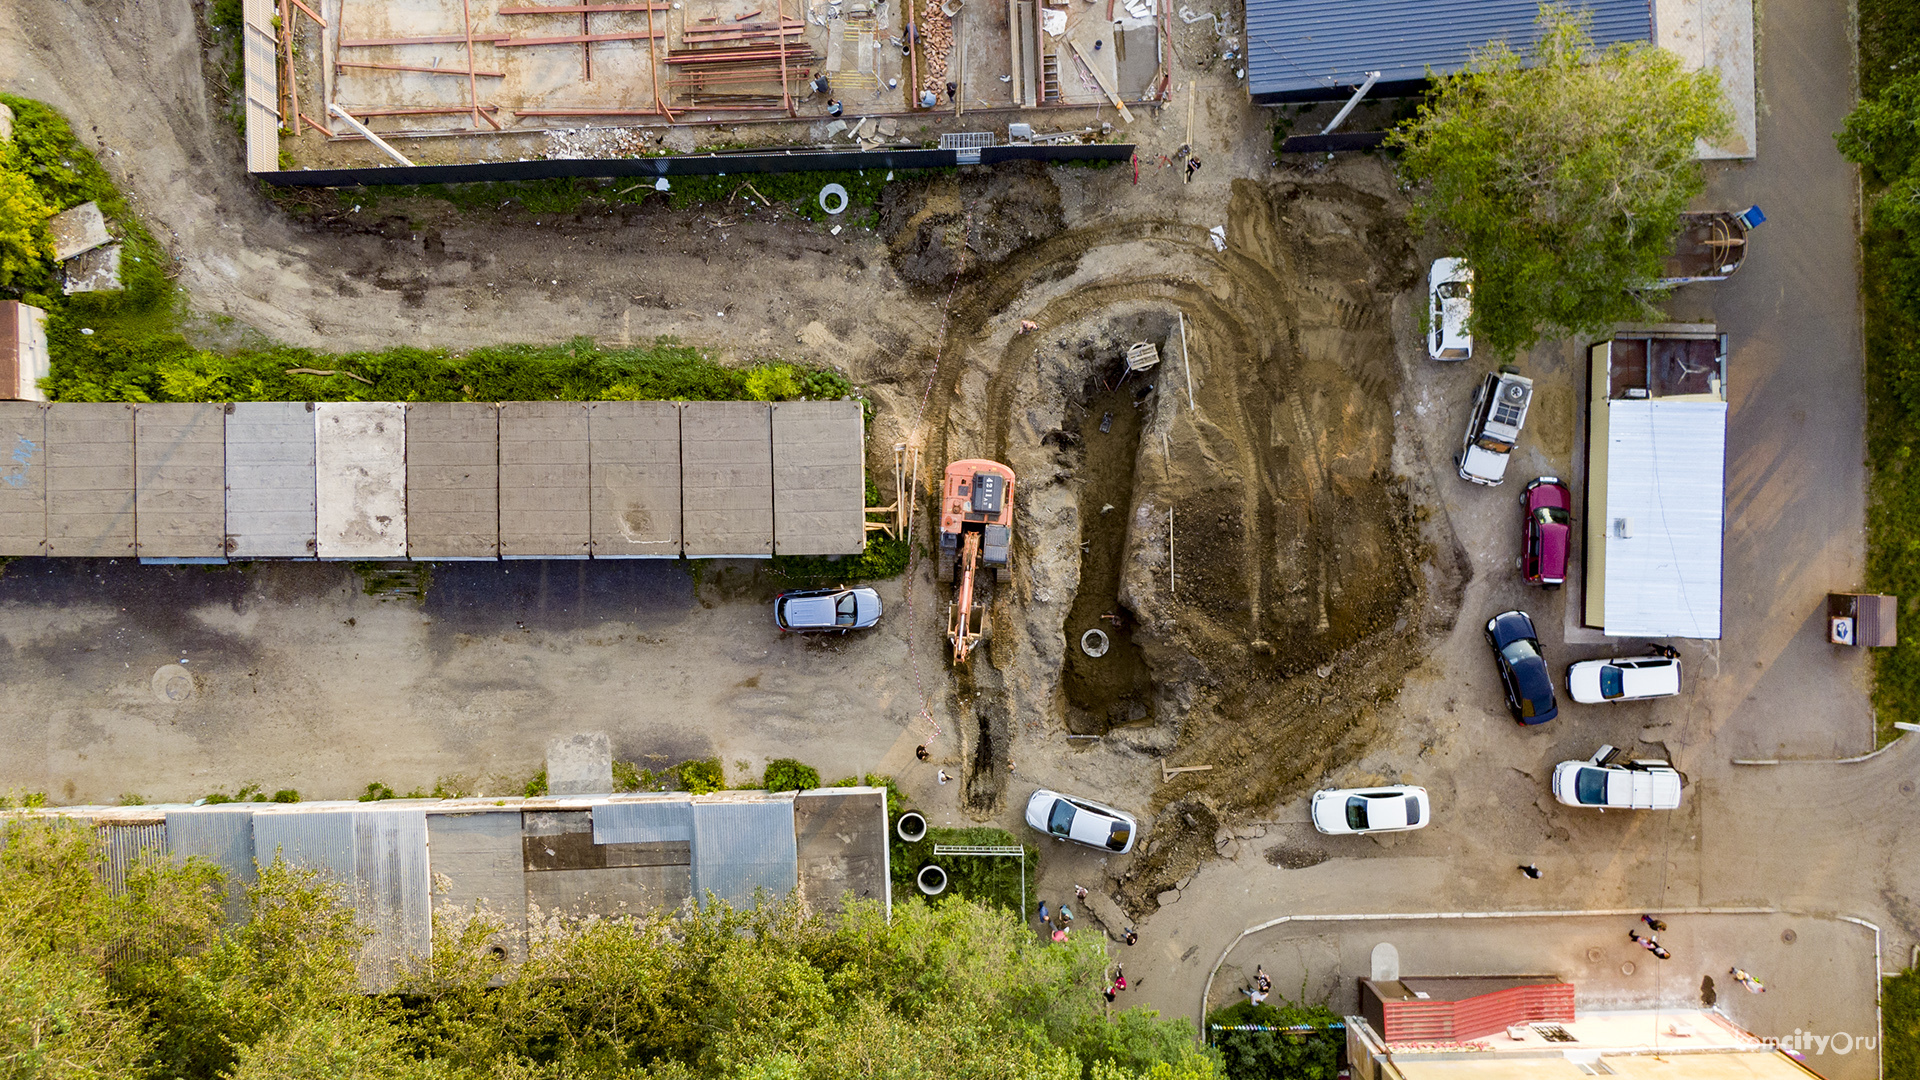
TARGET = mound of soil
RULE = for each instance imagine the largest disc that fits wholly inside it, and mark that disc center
(960, 224)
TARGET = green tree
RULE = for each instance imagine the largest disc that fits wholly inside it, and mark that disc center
(25, 248)
(1559, 174)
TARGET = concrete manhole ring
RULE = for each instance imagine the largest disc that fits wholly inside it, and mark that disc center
(1094, 642)
(838, 195)
(1789, 936)
(1626, 968)
(1594, 954)
(172, 684)
(931, 879)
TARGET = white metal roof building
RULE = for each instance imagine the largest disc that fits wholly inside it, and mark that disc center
(1656, 486)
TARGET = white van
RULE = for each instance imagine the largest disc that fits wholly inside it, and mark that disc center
(1603, 782)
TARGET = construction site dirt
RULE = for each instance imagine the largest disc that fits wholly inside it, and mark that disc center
(1265, 576)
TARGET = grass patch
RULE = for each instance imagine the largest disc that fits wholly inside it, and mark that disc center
(988, 879)
(1883, 136)
(1900, 1011)
(1309, 1050)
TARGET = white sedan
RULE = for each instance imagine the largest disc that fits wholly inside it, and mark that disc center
(1449, 302)
(1624, 678)
(1358, 811)
(1082, 821)
(1604, 782)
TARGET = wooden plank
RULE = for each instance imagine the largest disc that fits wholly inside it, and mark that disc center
(443, 39)
(1105, 86)
(23, 478)
(544, 505)
(310, 14)
(421, 70)
(453, 480)
(90, 503)
(420, 111)
(574, 39)
(589, 112)
(180, 480)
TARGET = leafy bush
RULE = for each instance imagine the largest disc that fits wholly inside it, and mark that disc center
(986, 879)
(1277, 1055)
(537, 786)
(702, 776)
(1900, 1005)
(285, 795)
(786, 774)
(377, 792)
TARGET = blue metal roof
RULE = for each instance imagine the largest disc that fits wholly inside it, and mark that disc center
(1314, 50)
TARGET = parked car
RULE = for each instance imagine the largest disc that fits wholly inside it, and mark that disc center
(1449, 302)
(812, 611)
(1493, 426)
(1607, 783)
(1082, 821)
(1523, 670)
(1358, 811)
(1625, 678)
(1547, 533)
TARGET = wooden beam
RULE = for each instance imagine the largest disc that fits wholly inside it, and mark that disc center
(421, 70)
(293, 77)
(571, 39)
(317, 125)
(1105, 86)
(310, 14)
(582, 9)
(587, 112)
(410, 111)
(653, 66)
(452, 39)
(786, 91)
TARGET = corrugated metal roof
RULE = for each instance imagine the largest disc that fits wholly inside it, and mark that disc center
(378, 854)
(740, 846)
(667, 818)
(479, 868)
(1666, 477)
(1302, 50)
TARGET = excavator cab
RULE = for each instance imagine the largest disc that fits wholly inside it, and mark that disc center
(976, 534)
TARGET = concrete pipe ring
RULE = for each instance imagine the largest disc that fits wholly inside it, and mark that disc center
(931, 879)
(912, 827)
(1094, 642)
(839, 196)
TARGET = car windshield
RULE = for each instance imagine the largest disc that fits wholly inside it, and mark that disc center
(1060, 823)
(1356, 812)
(1413, 810)
(1118, 835)
(844, 610)
(1519, 652)
(1612, 684)
(1454, 290)
(1552, 515)
(1590, 787)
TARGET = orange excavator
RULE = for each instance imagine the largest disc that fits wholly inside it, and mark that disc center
(976, 532)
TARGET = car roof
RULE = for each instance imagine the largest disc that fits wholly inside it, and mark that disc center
(809, 610)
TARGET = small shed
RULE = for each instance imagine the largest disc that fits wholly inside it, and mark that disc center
(819, 478)
(23, 351)
(23, 478)
(726, 479)
(544, 508)
(180, 479)
(1868, 619)
(90, 499)
(360, 479)
(270, 480)
(633, 450)
(453, 480)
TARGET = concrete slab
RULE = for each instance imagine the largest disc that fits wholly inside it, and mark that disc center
(478, 872)
(23, 478)
(360, 479)
(633, 451)
(841, 836)
(94, 271)
(270, 480)
(453, 480)
(580, 764)
(544, 504)
(180, 479)
(90, 500)
(1717, 36)
(726, 478)
(78, 230)
(819, 478)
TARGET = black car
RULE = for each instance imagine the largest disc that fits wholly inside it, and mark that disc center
(1523, 671)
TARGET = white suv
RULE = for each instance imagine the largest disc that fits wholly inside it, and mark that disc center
(1605, 783)
(1493, 427)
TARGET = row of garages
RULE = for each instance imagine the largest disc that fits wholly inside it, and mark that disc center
(185, 482)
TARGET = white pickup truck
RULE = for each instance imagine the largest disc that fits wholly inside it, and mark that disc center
(1499, 412)
(1606, 783)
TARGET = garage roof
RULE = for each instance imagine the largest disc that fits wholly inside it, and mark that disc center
(1666, 481)
(1319, 50)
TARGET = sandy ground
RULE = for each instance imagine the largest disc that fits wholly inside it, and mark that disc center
(1324, 629)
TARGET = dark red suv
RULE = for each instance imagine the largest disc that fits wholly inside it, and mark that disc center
(1549, 531)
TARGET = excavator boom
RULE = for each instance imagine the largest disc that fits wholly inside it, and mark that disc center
(961, 626)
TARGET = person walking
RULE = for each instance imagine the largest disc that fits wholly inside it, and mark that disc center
(834, 108)
(1080, 892)
(1654, 924)
(1046, 916)
(1119, 977)
(1130, 937)
(921, 752)
(1066, 914)
(1193, 166)
(1649, 944)
(1109, 992)
(943, 777)
(1753, 985)
(1260, 979)
(1531, 871)
(1060, 934)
